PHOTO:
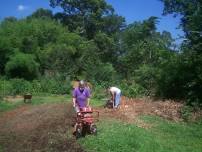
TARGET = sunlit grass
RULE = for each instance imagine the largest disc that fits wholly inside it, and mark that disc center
(164, 136)
(97, 102)
(47, 99)
(44, 99)
(50, 99)
(5, 106)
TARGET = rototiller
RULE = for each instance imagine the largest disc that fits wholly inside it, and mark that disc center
(85, 122)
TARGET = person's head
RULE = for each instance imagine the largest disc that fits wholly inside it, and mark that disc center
(81, 85)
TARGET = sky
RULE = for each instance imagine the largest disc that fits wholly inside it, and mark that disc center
(132, 10)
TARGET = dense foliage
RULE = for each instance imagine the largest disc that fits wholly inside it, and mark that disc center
(88, 40)
(188, 72)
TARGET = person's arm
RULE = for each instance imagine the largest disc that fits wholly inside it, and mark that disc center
(112, 96)
(74, 98)
(74, 101)
(88, 102)
(88, 96)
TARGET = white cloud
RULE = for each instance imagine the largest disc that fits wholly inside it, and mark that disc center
(21, 7)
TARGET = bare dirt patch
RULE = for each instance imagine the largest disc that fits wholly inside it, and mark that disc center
(130, 109)
(45, 127)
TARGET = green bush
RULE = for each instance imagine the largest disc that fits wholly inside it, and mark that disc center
(43, 85)
(99, 92)
(22, 65)
(55, 85)
(132, 89)
(36, 87)
(129, 89)
(186, 112)
(146, 75)
(20, 86)
(5, 88)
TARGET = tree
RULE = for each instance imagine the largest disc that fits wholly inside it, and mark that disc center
(30, 36)
(5, 47)
(191, 23)
(22, 66)
(41, 13)
(140, 44)
(88, 16)
(191, 19)
(143, 51)
(106, 47)
(112, 24)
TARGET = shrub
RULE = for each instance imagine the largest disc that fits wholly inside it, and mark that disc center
(55, 85)
(132, 89)
(186, 112)
(20, 86)
(98, 92)
(22, 65)
(36, 87)
(43, 85)
(5, 88)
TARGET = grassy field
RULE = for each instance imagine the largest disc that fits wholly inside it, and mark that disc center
(116, 136)
(5, 106)
(47, 99)
(1, 150)
(163, 136)
(43, 99)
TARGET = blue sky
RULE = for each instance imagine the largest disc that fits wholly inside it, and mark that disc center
(132, 10)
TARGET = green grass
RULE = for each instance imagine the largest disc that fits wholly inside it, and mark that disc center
(48, 99)
(96, 102)
(164, 136)
(1, 148)
(44, 99)
(5, 106)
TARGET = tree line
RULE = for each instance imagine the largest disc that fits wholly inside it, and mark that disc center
(89, 40)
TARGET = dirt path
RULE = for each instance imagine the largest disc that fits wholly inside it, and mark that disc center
(38, 128)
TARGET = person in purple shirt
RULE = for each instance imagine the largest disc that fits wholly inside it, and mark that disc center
(81, 96)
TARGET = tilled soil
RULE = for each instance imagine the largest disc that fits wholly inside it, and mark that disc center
(130, 109)
(167, 109)
(48, 127)
(41, 128)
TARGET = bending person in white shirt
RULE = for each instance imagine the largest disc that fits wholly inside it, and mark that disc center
(115, 96)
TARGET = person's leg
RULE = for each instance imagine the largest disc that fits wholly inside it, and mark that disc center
(74, 131)
(117, 99)
(113, 103)
(77, 110)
